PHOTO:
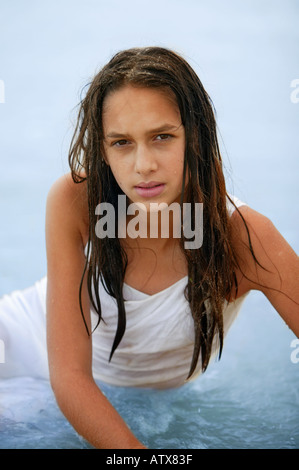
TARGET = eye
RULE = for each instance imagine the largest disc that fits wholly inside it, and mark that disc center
(163, 137)
(120, 143)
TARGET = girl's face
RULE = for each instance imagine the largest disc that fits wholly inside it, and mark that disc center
(144, 142)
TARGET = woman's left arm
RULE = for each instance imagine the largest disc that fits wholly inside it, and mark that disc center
(275, 272)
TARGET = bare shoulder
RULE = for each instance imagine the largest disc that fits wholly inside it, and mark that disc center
(266, 262)
(247, 223)
(254, 238)
(67, 204)
(253, 231)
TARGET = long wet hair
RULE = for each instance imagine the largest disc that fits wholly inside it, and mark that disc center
(211, 268)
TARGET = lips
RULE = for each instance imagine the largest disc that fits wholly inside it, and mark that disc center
(150, 189)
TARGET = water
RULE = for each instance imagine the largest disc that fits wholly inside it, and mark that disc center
(203, 415)
(248, 400)
(246, 54)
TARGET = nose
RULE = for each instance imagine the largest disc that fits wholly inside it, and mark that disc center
(145, 161)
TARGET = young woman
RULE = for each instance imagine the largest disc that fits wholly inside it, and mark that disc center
(132, 310)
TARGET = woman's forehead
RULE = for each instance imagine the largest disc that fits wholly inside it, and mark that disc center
(136, 105)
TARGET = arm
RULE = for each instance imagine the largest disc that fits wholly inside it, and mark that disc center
(279, 281)
(69, 346)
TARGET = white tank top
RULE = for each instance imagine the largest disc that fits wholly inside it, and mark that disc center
(157, 347)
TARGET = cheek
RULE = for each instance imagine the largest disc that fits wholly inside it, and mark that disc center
(119, 174)
(178, 156)
(178, 166)
(177, 172)
(115, 168)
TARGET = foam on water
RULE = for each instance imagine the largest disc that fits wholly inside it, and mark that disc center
(222, 409)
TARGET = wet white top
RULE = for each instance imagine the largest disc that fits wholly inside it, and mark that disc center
(157, 346)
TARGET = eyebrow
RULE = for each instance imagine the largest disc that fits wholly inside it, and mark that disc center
(160, 129)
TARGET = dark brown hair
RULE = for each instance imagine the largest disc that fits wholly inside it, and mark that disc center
(211, 268)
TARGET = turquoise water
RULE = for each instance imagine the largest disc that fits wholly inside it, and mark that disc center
(248, 400)
(198, 416)
(246, 54)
